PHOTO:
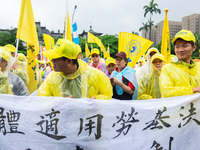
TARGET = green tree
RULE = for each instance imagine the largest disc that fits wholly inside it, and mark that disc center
(112, 40)
(145, 27)
(151, 9)
(10, 38)
(136, 33)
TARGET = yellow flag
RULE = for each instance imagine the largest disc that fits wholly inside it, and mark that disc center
(69, 33)
(27, 32)
(31, 68)
(107, 53)
(26, 27)
(48, 41)
(87, 51)
(93, 39)
(166, 47)
(133, 45)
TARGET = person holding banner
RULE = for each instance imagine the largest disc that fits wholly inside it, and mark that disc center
(17, 84)
(72, 77)
(110, 66)
(181, 76)
(149, 84)
(123, 79)
(146, 69)
(96, 62)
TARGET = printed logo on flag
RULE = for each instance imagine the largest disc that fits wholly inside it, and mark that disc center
(133, 48)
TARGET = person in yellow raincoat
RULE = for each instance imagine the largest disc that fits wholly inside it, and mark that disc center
(146, 68)
(181, 76)
(149, 84)
(72, 77)
(18, 70)
(5, 87)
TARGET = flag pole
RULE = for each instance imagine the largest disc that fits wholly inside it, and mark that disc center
(17, 44)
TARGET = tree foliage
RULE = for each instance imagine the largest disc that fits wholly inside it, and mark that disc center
(10, 38)
(112, 40)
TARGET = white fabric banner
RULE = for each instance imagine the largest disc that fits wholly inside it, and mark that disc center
(52, 123)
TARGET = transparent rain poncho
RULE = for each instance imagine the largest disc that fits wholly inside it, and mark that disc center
(149, 84)
(85, 82)
(146, 69)
(17, 84)
(179, 78)
(5, 87)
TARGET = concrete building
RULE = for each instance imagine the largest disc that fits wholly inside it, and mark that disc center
(191, 23)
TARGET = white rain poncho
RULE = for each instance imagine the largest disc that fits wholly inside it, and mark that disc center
(146, 69)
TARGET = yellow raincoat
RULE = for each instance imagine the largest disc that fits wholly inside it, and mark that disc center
(85, 82)
(5, 87)
(179, 78)
(149, 84)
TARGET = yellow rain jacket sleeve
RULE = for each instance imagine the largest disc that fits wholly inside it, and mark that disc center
(149, 87)
(5, 87)
(85, 82)
(179, 78)
(23, 75)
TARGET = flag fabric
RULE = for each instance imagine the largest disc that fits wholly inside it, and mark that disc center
(27, 32)
(67, 27)
(133, 45)
(93, 39)
(87, 51)
(166, 47)
(107, 52)
(26, 27)
(48, 41)
(43, 58)
(75, 33)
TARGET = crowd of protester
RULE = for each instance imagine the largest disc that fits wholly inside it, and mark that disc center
(66, 75)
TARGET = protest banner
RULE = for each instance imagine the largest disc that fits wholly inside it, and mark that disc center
(50, 123)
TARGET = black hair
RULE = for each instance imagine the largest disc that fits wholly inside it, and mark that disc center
(191, 42)
(3, 60)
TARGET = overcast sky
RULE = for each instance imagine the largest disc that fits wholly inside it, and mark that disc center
(105, 16)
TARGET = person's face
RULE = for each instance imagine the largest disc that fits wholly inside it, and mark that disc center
(13, 54)
(183, 50)
(152, 53)
(79, 56)
(42, 65)
(95, 58)
(140, 64)
(3, 65)
(158, 63)
(59, 64)
(120, 63)
(111, 67)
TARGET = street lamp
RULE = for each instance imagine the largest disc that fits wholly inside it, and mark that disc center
(73, 19)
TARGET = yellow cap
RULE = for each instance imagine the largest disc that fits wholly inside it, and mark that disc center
(159, 56)
(110, 60)
(10, 47)
(79, 48)
(95, 51)
(21, 57)
(4, 54)
(63, 48)
(185, 35)
(141, 60)
(40, 62)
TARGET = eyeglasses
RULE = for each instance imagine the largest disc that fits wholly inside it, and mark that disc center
(95, 55)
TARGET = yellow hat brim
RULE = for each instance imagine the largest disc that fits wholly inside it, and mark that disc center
(51, 54)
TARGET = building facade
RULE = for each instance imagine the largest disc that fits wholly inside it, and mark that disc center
(191, 23)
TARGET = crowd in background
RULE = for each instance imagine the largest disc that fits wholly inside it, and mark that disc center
(66, 75)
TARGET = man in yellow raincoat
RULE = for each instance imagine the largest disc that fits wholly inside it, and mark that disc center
(5, 87)
(72, 77)
(181, 76)
(149, 84)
